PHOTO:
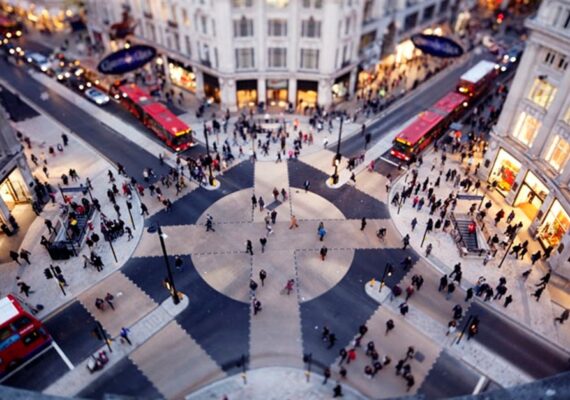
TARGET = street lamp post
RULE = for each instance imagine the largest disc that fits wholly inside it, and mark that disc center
(464, 329)
(337, 156)
(424, 238)
(172, 288)
(511, 241)
(112, 248)
(129, 207)
(387, 271)
(211, 175)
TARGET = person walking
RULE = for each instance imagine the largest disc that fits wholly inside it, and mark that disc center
(429, 248)
(249, 247)
(544, 280)
(321, 231)
(351, 355)
(210, 223)
(261, 203)
(294, 223)
(450, 290)
(144, 210)
(273, 217)
(468, 294)
(406, 241)
(178, 262)
(414, 223)
(389, 326)
(25, 289)
(362, 223)
(307, 185)
(327, 375)
(262, 276)
(25, 255)
(253, 202)
(343, 354)
(508, 300)
(256, 306)
(263, 242)
(563, 317)
(535, 257)
(403, 309)
(442, 283)
(49, 225)
(15, 256)
(124, 334)
(324, 252)
(451, 327)
(332, 341)
(109, 300)
(538, 292)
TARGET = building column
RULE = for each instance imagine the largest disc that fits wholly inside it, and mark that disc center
(199, 83)
(228, 94)
(28, 177)
(325, 92)
(352, 82)
(292, 91)
(262, 90)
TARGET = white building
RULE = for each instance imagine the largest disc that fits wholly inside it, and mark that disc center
(530, 145)
(240, 52)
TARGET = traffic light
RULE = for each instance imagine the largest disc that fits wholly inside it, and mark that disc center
(500, 18)
(48, 274)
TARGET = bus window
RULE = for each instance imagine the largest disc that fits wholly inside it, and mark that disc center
(31, 338)
(21, 323)
(5, 333)
(181, 139)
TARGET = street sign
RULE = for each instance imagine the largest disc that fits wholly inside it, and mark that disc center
(126, 60)
(438, 46)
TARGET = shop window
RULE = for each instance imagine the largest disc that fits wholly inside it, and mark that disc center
(526, 128)
(505, 171)
(181, 75)
(310, 28)
(557, 154)
(554, 226)
(542, 92)
(243, 27)
(277, 57)
(277, 3)
(242, 3)
(277, 27)
(309, 59)
(244, 58)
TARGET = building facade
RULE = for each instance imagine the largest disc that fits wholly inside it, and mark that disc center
(280, 52)
(16, 180)
(530, 146)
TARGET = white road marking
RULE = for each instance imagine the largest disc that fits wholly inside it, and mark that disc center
(480, 384)
(63, 356)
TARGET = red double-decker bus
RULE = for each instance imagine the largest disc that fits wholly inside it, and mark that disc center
(155, 116)
(428, 126)
(21, 334)
(474, 82)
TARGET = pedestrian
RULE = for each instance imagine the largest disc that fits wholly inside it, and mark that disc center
(307, 185)
(442, 283)
(538, 292)
(414, 223)
(109, 300)
(406, 241)
(332, 341)
(261, 203)
(351, 355)
(262, 276)
(323, 252)
(256, 306)
(321, 231)
(327, 375)
(508, 300)
(429, 249)
(544, 280)
(409, 382)
(249, 247)
(263, 242)
(276, 192)
(363, 224)
(60, 278)
(343, 354)
(268, 228)
(563, 317)
(451, 327)
(144, 210)
(450, 290)
(124, 334)
(342, 371)
(65, 139)
(404, 309)
(253, 202)
(178, 262)
(389, 326)
(129, 233)
(15, 256)
(294, 223)
(273, 217)
(25, 289)
(100, 304)
(535, 257)
(209, 223)
(25, 255)
(252, 286)
(49, 225)
(368, 371)
(337, 390)
(409, 292)
(399, 366)
(469, 294)
(410, 353)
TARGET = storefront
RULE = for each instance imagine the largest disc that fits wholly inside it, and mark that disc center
(211, 88)
(307, 93)
(554, 226)
(13, 190)
(277, 92)
(246, 93)
(531, 195)
(504, 172)
(181, 75)
(340, 87)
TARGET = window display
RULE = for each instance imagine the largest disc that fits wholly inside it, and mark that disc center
(505, 171)
(554, 225)
(526, 128)
(182, 76)
(557, 154)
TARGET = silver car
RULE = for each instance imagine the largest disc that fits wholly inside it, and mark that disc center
(96, 96)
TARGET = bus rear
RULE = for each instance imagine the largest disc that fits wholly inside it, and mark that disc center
(21, 335)
(476, 79)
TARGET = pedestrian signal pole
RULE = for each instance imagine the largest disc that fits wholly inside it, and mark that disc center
(129, 207)
(51, 273)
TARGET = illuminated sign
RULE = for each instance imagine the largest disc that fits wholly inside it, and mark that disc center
(126, 60)
(438, 46)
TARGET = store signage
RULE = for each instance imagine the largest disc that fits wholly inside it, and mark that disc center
(126, 60)
(438, 46)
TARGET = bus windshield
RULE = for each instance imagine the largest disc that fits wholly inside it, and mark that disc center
(179, 140)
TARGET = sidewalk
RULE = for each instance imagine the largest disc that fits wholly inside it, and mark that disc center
(44, 133)
(525, 310)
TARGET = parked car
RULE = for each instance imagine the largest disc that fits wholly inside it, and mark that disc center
(96, 96)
